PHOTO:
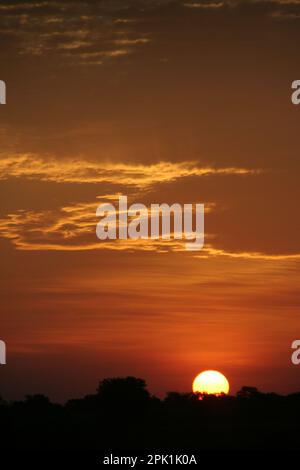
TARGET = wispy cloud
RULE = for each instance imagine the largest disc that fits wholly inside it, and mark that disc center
(72, 228)
(126, 42)
(249, 255)
(277, 9)
(204, 5)
(69, 32)
(84, 171)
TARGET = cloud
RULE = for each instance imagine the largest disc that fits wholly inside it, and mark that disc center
(126, 42)
(69, 31)
(73, 228)
(277, 9)
(250, 255)
(204, 5)
(83, 171)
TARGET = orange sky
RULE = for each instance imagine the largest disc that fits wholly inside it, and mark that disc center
(162, 101)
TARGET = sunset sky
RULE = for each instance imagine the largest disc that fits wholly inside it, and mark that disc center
(162, 101)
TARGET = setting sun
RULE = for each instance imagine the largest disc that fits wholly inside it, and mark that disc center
(211, 382)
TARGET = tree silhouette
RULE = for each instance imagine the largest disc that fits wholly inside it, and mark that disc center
(248, 392)
(127, 394)
(123, 415)
(37, 401)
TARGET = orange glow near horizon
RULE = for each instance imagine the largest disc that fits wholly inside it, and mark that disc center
(211, 382)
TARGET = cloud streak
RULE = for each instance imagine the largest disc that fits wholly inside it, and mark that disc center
(126, 174)
(95, 33)
(70, 32)
(72, 228)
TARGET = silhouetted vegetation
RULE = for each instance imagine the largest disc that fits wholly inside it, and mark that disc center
(123, 415)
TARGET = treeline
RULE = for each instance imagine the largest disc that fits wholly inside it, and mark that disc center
(123, 415)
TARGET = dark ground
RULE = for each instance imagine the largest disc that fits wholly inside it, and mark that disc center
(122, 415)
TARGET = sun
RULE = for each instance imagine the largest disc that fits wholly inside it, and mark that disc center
(211, 382)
